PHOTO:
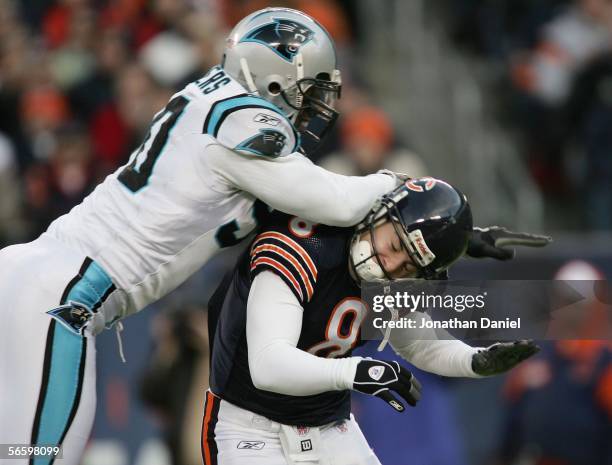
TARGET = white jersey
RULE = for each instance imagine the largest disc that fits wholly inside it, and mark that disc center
(189, 190)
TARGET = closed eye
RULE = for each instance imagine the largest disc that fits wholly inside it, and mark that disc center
(395, 246)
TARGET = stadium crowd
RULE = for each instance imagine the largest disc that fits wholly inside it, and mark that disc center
(554, 63)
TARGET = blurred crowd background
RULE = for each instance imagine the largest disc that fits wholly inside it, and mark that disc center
(511, 100)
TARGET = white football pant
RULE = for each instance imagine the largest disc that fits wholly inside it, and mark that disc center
(235, 436)
(47, 371)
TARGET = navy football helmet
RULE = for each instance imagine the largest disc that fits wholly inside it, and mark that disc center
(433, 221)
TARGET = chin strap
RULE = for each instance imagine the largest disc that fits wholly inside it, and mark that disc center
(299, 64)
(394, 318)
(299, 72)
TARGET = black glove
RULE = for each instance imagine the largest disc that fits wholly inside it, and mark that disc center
(378, 378)
(502, 356)
(490, 242)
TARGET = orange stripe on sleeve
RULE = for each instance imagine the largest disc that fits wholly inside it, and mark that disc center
(282, 269)
(296, 264)
(293, 245)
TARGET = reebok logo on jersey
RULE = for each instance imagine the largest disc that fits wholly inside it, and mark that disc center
(253, 445)
(376, 372)
(266, 119)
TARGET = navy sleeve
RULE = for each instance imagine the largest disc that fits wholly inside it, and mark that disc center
(278, 250)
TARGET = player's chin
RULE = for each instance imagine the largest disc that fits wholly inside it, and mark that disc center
(405, 274)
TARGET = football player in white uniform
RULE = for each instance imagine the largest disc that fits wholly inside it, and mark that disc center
(225, 140)
(284, 324)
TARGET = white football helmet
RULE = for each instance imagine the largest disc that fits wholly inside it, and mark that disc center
(287, 58)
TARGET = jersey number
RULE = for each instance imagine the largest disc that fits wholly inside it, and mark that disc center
(338, 338)
(233, 232)
(136, 175)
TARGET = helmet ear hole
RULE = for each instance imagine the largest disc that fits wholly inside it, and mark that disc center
(324, 76)
(274, 88)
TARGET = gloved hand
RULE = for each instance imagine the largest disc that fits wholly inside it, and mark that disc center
(400, 178)
(491, 242)
(502, 356)
(379, 377)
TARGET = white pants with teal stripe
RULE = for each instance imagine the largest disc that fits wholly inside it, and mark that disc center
(47, 366)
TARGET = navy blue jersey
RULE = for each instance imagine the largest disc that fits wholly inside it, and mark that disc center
(313, 261)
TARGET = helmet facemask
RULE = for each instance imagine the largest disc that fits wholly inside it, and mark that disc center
(314, 101)
(364, 259)
(432, 221)
(364, 263)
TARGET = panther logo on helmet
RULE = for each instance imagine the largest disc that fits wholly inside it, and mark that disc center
(283, 36)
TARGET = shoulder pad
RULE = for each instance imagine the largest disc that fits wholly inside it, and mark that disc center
(297, 250)
(251, 125)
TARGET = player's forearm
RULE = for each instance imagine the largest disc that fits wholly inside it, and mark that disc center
(325, 197)
(445, 358)
(435, 351)
(274, 322)
(288, 370)
(296, 186)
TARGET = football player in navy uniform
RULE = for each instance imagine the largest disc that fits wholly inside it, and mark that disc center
(284, 324)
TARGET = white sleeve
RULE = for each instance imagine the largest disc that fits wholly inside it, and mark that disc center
(252, 126)
(295, 185)
(449, 357)
(274, 322)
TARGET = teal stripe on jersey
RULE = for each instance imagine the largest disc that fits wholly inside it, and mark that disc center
(227, 106)
(90, 289)
(63, 388)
